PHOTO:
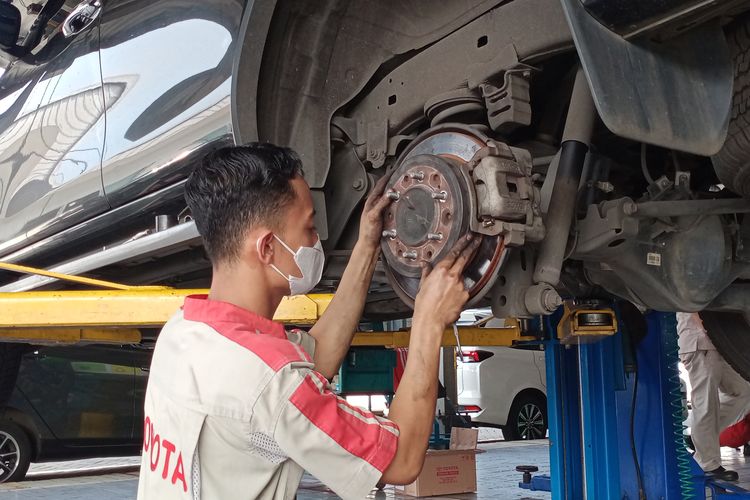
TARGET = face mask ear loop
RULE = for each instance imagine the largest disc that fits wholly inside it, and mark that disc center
(285, 245)
(288, 278)
(257, 249)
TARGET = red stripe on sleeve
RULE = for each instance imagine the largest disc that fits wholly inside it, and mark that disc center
(359, 432)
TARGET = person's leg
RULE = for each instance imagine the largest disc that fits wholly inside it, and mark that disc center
(705, 374)
(734, 395)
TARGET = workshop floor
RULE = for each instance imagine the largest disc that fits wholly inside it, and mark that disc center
(117, 478)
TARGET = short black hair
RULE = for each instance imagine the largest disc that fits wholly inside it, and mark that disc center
(238, 187)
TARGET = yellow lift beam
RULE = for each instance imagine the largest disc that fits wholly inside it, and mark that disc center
(134, 308)
(469, 335)
(116, 315)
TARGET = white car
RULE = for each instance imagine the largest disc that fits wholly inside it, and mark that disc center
(503, 386)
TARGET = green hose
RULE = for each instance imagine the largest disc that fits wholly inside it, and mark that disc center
(671, 349)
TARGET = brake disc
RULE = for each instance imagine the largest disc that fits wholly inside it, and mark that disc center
(433, 201)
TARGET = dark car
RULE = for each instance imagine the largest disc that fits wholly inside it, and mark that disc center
(599, 147)
(73, 402)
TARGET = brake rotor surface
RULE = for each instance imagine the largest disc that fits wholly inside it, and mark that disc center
(431, 210)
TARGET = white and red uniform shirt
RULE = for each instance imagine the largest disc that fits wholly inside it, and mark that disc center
(235, 410)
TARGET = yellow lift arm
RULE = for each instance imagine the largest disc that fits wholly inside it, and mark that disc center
(117, 315)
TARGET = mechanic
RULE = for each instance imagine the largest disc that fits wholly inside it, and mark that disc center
(236, 406)
(720, 396)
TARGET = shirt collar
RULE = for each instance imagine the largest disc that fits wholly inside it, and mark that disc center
(201, 308)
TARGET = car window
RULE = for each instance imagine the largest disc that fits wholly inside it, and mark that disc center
(82, 392)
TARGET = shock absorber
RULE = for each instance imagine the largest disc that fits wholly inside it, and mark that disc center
(575, 144)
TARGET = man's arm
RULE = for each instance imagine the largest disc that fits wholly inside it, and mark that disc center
(334, 330)
(441, 297)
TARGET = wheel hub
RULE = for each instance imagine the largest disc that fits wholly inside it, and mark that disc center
(431, 190)
(428, 214)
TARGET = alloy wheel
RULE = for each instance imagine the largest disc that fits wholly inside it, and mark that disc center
(9, 456)
(530, 422)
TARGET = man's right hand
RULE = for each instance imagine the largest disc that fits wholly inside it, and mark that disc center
(441, 298)
(442, 294)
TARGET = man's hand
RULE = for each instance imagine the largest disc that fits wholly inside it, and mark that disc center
(439, 302)
(371, 223)
(442, 294)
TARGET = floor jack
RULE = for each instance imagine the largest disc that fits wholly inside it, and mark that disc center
(615, 410)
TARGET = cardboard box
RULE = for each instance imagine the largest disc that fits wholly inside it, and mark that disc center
(448, 472)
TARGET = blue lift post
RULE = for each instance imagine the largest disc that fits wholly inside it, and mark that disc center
(590, 396)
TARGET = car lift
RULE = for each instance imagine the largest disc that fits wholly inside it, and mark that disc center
(613, 436)
(592, 379)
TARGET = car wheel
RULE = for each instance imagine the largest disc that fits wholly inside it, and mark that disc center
(731, 161)
(15, 452)
(730, 334)
(527, 418)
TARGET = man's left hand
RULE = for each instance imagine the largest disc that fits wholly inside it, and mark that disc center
(371, 223)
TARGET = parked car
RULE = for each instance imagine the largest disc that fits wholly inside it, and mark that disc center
(503, 386)
(73, 402)
(558, 130)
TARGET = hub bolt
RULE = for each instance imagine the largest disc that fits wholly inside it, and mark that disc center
(411, 254)
(417, 176)
(390, 233)
(442, 195)
(435, 236)
(393, 195)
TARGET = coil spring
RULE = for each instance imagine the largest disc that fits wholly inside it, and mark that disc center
(675, 405)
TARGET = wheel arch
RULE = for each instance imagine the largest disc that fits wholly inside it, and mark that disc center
(27, 424)
(299, 63)
(256, 21)
(531, 391)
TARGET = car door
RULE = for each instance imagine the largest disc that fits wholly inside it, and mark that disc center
(52, 122)
(173, 59)
(84, 394)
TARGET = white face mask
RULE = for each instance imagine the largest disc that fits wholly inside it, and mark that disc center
(310, 261)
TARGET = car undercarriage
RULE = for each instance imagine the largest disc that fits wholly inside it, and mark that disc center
(489, 120)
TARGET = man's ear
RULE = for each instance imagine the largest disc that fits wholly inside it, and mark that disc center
(264, 246)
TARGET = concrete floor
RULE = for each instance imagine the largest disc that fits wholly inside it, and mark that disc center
(118, 478)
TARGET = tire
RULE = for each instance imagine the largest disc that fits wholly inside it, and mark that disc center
(10, 362)
(732, 162)
(527, 418)
(15, 452)
(730, 334)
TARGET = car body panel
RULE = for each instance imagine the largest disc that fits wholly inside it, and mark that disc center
(172, 110)
(51, 135)
(494, 383)
(81, 401)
